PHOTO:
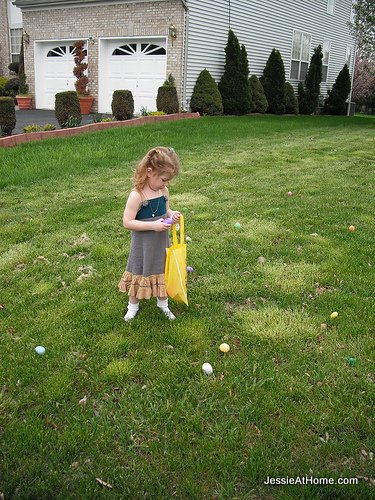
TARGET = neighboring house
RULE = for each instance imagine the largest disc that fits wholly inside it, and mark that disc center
(135, 44)
(10, 35)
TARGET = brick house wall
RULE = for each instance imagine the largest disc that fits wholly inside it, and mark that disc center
(4, 39)
(117, 20)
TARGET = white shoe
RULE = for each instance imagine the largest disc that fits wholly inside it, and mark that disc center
(129, 316)
(131, 312)
(168, 313)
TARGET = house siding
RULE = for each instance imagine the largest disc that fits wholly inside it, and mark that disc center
(4, 39)
(262, 26)
(202, 32)
(133, 19)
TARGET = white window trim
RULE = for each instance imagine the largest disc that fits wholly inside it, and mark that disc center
(331, 7)
(327, 42)
(300, 59)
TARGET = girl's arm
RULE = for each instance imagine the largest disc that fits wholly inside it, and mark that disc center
(130, 212)
(173, 214)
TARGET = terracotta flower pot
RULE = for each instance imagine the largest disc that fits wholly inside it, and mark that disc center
(24, 101)
(85, 103)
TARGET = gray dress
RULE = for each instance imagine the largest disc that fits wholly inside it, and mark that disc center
(144, 274)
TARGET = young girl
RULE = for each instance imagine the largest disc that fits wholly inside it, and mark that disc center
(144, 215)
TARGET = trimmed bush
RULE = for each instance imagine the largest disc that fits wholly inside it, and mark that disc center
(273, 81)
(23, 87)
(206, 98)
(14, 66)
(167, 99)
(122, 105)
(80, 68)
(7, 116)
(290, 100)
(335, 104)
(67, 108)
(309, 99)
(11, 87)
(260, 103)
(3, 81)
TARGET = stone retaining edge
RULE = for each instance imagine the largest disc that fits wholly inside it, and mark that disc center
(14, 140)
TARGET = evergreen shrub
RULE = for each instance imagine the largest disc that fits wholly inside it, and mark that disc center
(14, 67)
(167, 99)
(273, 81)
(7, 116)
(260, 103)
(290, 100)
(206, 98)
(122, 105)
(3, 81)
(234, 85)
(67, 108)
(309, 99)
(335, 103)
(12, 86)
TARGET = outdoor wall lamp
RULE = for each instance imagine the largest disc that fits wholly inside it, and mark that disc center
(172, 32)
(26, 37)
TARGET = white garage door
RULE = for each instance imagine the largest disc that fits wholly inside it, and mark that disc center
(135, 65)
(55, 63)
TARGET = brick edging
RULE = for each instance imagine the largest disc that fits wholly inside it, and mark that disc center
(14, 140)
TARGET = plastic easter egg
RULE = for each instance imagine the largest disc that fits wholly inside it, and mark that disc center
(189, 269)
(334, 314)
(169, 221)
(224, 347)
(237, 225)
(351, 228)
(290, 193)
(207, 368)
(39, 349)
(188, 239)
(351, 361)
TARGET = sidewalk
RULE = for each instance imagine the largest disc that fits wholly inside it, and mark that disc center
(41, 117)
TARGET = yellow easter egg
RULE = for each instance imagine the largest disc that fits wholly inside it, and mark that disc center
(224, 347)
(334, 315)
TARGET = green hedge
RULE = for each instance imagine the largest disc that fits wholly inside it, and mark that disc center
(67, 109)
(7, 116)
(206, 98)
(122, 105)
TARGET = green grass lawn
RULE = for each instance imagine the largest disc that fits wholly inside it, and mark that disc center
(128, 403)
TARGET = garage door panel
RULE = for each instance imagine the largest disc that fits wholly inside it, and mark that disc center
(55, 65)
(128, 66)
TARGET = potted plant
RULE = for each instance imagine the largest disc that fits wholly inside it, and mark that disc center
(85, 100)
(23, 97)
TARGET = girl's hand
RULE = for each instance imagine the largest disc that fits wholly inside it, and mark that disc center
(160, 226)
(175, 216)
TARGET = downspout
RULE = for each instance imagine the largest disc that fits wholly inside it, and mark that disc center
(351, 85)
(184, 103)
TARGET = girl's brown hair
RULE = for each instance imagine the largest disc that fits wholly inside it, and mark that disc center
(161, 160)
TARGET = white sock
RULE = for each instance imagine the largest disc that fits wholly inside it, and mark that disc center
(163, 305)
(132, 311)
